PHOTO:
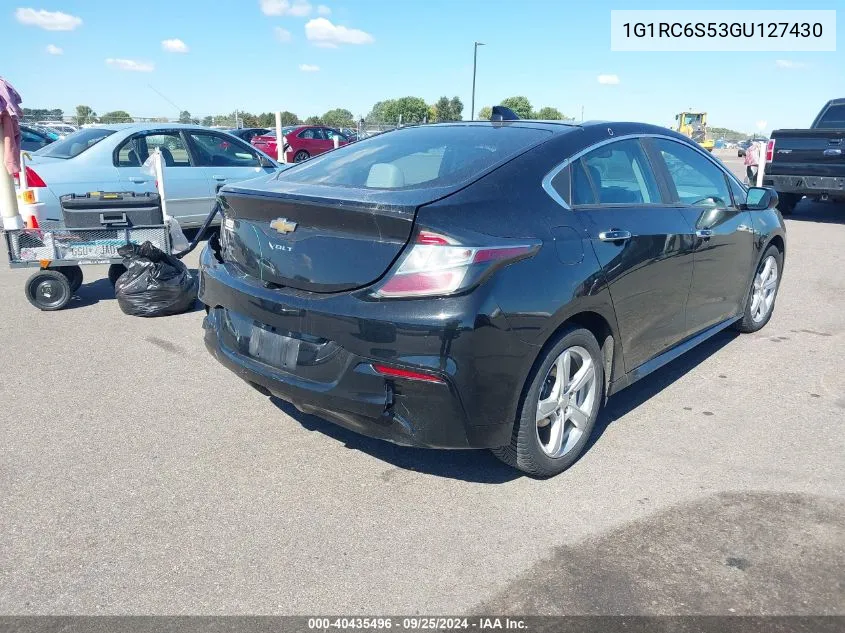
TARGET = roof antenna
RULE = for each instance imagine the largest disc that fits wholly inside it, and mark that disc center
(502, 113)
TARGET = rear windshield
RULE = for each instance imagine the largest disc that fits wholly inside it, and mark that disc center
(834, 117)
(417, 157)
(285, 131)
(76, 143)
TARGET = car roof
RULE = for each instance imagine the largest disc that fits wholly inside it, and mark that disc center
(560, 127)
(140, 127)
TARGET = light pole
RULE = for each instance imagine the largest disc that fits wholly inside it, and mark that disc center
(474, 63)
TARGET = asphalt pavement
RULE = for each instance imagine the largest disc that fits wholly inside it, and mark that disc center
(137, 476)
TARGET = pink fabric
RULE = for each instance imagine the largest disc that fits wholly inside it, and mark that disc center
(11, 143)
(10, 113)
(752, 155)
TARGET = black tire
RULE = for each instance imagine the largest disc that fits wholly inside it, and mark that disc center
(115, 271)
(748, 323)
(73, 274)
(48, 290)
(525, 451)
(300, 156)
(787, 202)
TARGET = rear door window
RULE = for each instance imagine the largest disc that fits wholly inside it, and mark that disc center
(619, 173)
(74, 144)
(312, 134)
(417, 157)
(698, 181)
(217, 150)
(137, 149)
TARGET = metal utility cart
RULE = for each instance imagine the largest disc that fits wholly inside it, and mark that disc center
(59, 254)
(95, 226)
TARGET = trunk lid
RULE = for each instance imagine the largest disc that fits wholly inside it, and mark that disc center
(315, 238)
(811, 152)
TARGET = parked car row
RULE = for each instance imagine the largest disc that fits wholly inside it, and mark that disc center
(34, 137)
(110, 158)
(303, 141)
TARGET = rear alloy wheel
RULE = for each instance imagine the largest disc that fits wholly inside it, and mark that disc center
(764, 289)
(560, 407)
(300, 156)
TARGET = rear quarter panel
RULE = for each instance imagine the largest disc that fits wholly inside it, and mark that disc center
(535, 296)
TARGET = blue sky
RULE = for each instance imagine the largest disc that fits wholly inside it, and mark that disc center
(548, 50)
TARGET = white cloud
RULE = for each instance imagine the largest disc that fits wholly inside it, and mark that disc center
(54, 50)
(323, 10)
(130, 64)
(309, 68)
(283, 35)
(323, 33)
(174, 46)
(608, 80)
(788, 63)
(297, 8)
(761, 125)
(48, 20)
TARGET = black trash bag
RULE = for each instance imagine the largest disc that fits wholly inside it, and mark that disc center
(154, 284)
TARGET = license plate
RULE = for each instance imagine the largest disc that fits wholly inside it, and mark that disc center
(273, 349)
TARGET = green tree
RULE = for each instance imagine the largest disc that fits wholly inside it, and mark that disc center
(184, 116)
(313, 120)
(378, 114)
(85, 114)
(431, 115)
(520, 105)
(208, 121)
(288, 118)
(409, 110)
(116, 116)
(32, 114)
(549, 114)
(442, 110)
(339, 117)
(248, 119)
(449, 109)
(485, 113)
(456, 107)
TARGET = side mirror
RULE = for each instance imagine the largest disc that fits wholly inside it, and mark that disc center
(761, 198)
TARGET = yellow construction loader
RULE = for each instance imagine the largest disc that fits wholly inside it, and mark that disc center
(694, 125)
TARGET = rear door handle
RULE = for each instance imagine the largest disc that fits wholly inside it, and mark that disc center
(138, 179)
(614, 235)
(704, 234)
(219, 177)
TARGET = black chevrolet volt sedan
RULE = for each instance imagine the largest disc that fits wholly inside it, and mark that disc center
(485, 284)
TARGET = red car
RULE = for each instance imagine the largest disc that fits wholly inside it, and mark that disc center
(303, 141)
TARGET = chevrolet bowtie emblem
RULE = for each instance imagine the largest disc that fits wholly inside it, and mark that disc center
(283, 225)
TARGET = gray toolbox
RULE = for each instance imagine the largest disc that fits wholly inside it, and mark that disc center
(111, 209)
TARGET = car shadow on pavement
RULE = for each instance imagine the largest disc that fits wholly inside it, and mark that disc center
(481, 466)
(646, 388)
(821, 212)
(476, 466)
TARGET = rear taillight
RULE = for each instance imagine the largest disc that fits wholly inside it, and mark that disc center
(32, 178)
(770, 150)
(407, 374)
(437, 264)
